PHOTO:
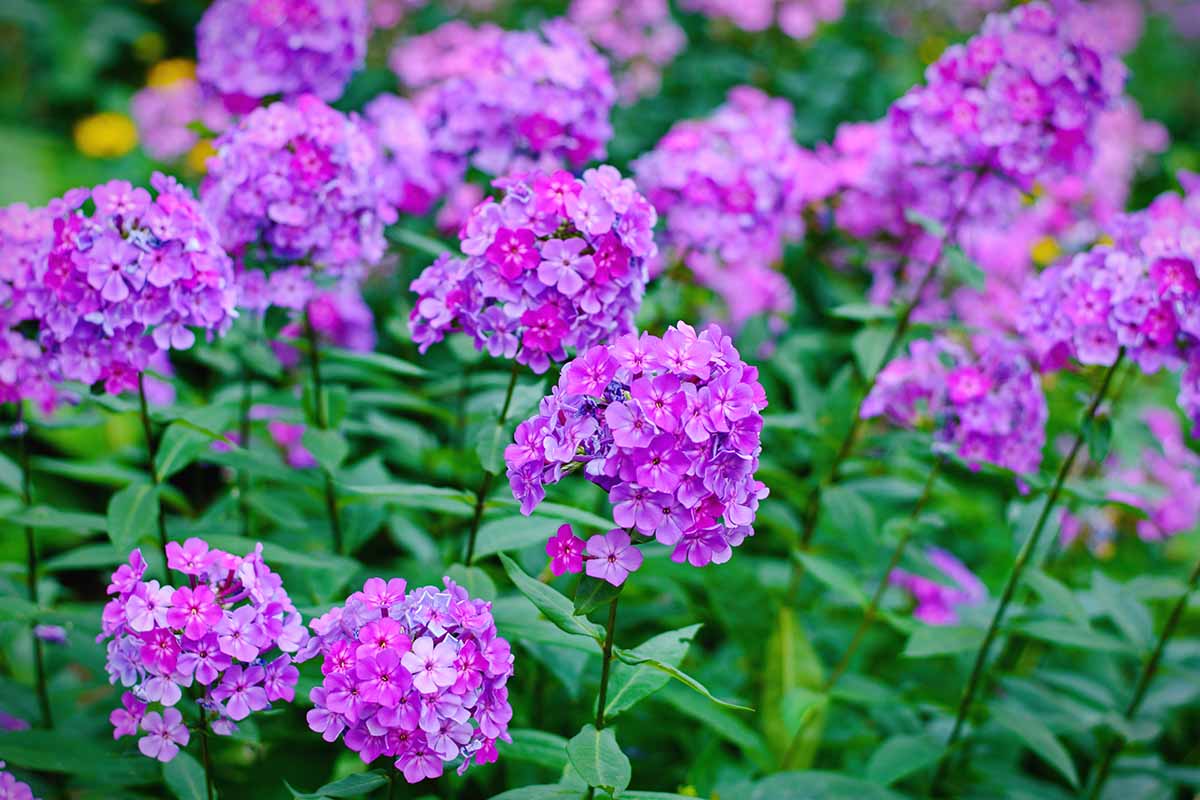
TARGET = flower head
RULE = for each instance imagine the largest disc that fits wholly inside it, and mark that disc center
(566, 551)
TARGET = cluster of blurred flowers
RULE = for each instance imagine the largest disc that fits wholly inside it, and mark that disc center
(936, 603)
(229, 628)
(169, 109)
(11, 788)
(416, 676)
(731, 190)
(985, 406)
(796, 18)
(669, 427)
(559, 262)
(639, 36)
(1161, 484)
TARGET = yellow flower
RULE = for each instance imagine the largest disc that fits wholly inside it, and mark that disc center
(1045, 251)
(197, 157)
(164, 73)
(105, 135)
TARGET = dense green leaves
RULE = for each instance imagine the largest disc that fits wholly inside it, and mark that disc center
(1039, 738)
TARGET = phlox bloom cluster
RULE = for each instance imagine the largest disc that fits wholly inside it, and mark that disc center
(298, 183)
(418, 676)
(730, 189)
(985, 406)
(935, 602)
(508, 101)
(129, 277)
(1140, 295)
(1019, 98)
(669, 427)
(416, 174)
(13, 789)
(796, 18)
(339, 315)
(559, 262)
(228, 631)
(163, 115)
(639, 36)
(251, 49)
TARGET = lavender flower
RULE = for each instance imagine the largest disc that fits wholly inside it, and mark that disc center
(669, 428)
(251, 49)
(164, 113)
(639, 36)
(986, 406)
(233, 612)
(559, 262)
(796, 18)
(937, 603)
(416, 676)
(11, 788)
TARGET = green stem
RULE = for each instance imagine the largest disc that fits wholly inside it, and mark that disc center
(152, 452)
(485, 485)
(605, 667)
(974, 682)
(321, 417)
(812, 504)
(204, 757)
(244, 441)
(873, 606)
(21, 428)
(1117, 743)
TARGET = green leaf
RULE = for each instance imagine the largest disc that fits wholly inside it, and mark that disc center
(942, 640)
(356, 785)
(1130, 616)
(132, 514)
(535, 747)
(629, 685)
(474, 580)
(17, 609)
(926, 223)
(557, 608)
(964, 269)
(846, 512)
(513, 533)
(180, 446)
(10, 475)
(634, 658)
(834, 577)
(44, 517)
(1066, 634)
(901, 756)
(545, 791)
(727, 725)
(67, 752)
(818, 785)
(378, 361)
(863, 312)
(792, 666)
(414, 495)
(591, 593)
(1039, 738)
(1057, 596)
(85, 557)
(1097, 432)
(869, 346)
(277, 555)
(329, 448)
(185, 777)
(418, 242)
(598, 759)
(489, 446)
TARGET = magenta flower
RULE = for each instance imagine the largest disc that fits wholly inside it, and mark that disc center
(165, 734)
(190, 558)
(204, 660)
(382, 635)
(566, 551)
(126, 720)
(160, 651)
(148, 606)
(936, 603)
(612, 557)
(194, 610)
(513, 252)
(381, 679)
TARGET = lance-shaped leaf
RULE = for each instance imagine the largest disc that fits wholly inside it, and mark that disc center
(557, 608)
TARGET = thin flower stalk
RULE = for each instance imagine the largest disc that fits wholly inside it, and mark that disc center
(321, 417)
(605, 667)
(152, 468)
(21, 429)
(485, 485)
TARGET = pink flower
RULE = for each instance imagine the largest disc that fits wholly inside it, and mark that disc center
(239, 634)
(965, 384)
(191, 559)
(382, 634)
(432, 666)
(194, 610)
(381, 679)
(165, 734)
(160, 650)
(545, 330)
(513, 252)
(378, 593)
(147, 607)
(243, 690)
(613, 556)
(565, 551)
(125, 721)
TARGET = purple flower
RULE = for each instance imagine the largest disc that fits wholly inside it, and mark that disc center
(530, 286)
(936, 603)
(203, 659)
(381, 679)
(639, 37)
(242, 691)
(194, 610)
(430, 664)
(566, 551)
(128, 719)
(53, 634)
(240, 634)
(165, 734)
(190, 558)
(612, 557)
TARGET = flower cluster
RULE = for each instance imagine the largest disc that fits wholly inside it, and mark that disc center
(230, 629)
(1140, 294)
(1161, 483)
(796, 18)
(1020, 98)
(640, 37)
(986, 406)
(669, 427)
(252, 49)
(130, 280)
(559, 262)
(340, 317)
(11, 788)
(164, 116)
(505, 101)
(937, 603)
(731, 189)
(415, 175)
(406, 673)
(302, 181)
